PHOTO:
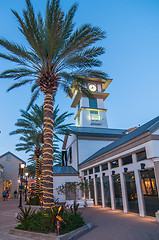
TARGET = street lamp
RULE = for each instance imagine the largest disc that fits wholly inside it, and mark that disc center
(26, 175)
(21, 169)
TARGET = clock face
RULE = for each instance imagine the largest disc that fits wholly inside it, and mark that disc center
(92, 87)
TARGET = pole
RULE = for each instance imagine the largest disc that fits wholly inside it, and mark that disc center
(26, 189)
(21, 185)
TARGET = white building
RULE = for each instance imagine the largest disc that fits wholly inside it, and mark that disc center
(9, 173)
(121, 166)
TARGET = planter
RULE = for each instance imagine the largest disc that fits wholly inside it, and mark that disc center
(89, 202)
(81, 203)
(157, 216)
(50, 236)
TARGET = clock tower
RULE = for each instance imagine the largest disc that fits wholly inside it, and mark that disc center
(90, 110)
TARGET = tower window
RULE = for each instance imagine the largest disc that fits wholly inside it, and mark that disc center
(94, 115)
(92, 102)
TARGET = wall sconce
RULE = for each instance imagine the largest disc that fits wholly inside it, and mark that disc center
(103, 174)
(125, 169)
(142, 165)
(113, 172)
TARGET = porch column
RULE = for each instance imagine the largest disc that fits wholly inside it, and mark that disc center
(102, 187)
(95, 188)
(123, 189)
(156, 170)
(140, 196)
(124, 193)
(111, 190)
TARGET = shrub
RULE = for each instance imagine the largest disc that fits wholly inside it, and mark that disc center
(43, 220)
(73, 220)
(25, 213)
(34, 201)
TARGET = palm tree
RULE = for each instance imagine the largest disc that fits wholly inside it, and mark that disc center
(58, 55)
(30, 126)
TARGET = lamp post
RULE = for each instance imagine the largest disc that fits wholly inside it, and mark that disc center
(26, 175)
(22, 166)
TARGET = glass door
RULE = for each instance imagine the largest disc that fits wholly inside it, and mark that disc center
(149, 189)
(99, 195)
(131, 192)
(117, 191)
(107, 191)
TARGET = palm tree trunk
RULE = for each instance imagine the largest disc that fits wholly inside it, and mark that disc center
(37, 176)
(48, 198)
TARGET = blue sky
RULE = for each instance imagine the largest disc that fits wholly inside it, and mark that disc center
(131, 60)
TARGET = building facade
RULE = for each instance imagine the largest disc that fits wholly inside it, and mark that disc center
(9, 173)
(121, 167)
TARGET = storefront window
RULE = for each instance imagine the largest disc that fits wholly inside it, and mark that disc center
(127, 160)
(97, 169)
(105, 167)
(141, 155)
(131, 192)
(107, 191)
(149, 189)
(99, 196)
(91, 171)
(114, 164)
(117, 191)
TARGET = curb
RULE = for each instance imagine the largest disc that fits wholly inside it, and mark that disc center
(51, 236)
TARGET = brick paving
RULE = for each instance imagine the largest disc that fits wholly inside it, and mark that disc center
(109, 225)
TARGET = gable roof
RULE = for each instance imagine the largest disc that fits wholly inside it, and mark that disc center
(64, 170)
(12, 155)
(150, 126)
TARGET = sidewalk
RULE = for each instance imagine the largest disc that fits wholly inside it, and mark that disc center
(8, 219)
(109, 225)
(116, 225)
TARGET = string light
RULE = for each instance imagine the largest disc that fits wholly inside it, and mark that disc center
(48, 199)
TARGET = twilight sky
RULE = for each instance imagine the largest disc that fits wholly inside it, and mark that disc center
(131, 60)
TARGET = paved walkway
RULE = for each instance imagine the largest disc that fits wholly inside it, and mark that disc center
(8, 209)
(116, 225)
(109, 225)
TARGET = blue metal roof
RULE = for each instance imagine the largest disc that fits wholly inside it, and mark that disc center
(149, 126)
(64, 170)
(101, 132)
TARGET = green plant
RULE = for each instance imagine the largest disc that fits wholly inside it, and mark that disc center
(35, 201)
(74, 207)
(72, 220)
(25, 213)
(42, 221)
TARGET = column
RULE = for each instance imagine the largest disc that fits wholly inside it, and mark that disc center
(156, 170)
(123, 189)
(140, 197)
(95, 189)
(102, 187)
(112, 192)
(124, 193)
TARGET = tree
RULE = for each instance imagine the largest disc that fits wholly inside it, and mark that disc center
(30, 127)
(58, 56)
